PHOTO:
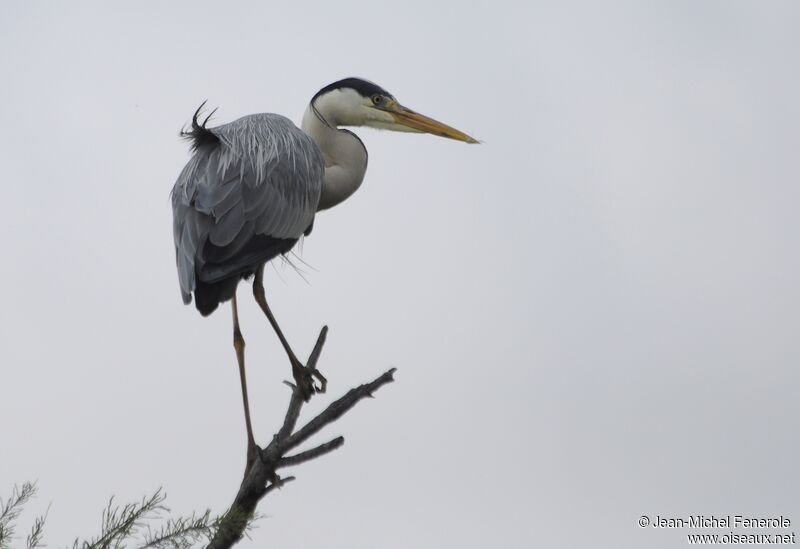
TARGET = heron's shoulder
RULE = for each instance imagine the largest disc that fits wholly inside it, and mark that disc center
(265, 131)
(264, 125)
(270, 119)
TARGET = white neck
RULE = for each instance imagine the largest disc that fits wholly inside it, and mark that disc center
(345, 155)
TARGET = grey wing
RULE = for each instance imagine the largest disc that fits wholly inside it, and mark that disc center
(244, 199)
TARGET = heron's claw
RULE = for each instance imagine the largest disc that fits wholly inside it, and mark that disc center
(304, 378)
(323, 382)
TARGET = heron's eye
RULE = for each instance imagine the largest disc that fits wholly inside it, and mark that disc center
(376, 99)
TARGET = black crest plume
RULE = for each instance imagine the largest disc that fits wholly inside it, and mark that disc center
(200, 135)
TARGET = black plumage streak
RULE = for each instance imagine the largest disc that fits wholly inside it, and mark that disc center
(364, 88)
(200, 135)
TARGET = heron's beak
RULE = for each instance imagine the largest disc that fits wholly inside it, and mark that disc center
(418, 122)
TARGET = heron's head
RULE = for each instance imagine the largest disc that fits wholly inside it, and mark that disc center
(357, 102)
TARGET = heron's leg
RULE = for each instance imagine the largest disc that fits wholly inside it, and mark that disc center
(301, 374)
(238, 344)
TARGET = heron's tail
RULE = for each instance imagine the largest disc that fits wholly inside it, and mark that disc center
(208, 296)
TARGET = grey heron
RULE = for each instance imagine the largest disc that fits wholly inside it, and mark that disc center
(252, 187)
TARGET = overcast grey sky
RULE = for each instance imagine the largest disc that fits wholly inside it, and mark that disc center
(594, 315)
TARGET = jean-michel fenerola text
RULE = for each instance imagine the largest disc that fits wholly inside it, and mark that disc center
(726, 521)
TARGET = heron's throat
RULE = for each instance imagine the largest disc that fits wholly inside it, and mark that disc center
(345, 155)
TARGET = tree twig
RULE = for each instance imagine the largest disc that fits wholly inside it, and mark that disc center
(320, 450)
(334, 411)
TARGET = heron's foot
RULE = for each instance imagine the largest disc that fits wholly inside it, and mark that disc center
(304, 380)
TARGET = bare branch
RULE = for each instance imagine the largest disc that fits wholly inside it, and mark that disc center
(317, 351)
(278, 484)
(260, 478)
(308, 455)
(335, 410)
